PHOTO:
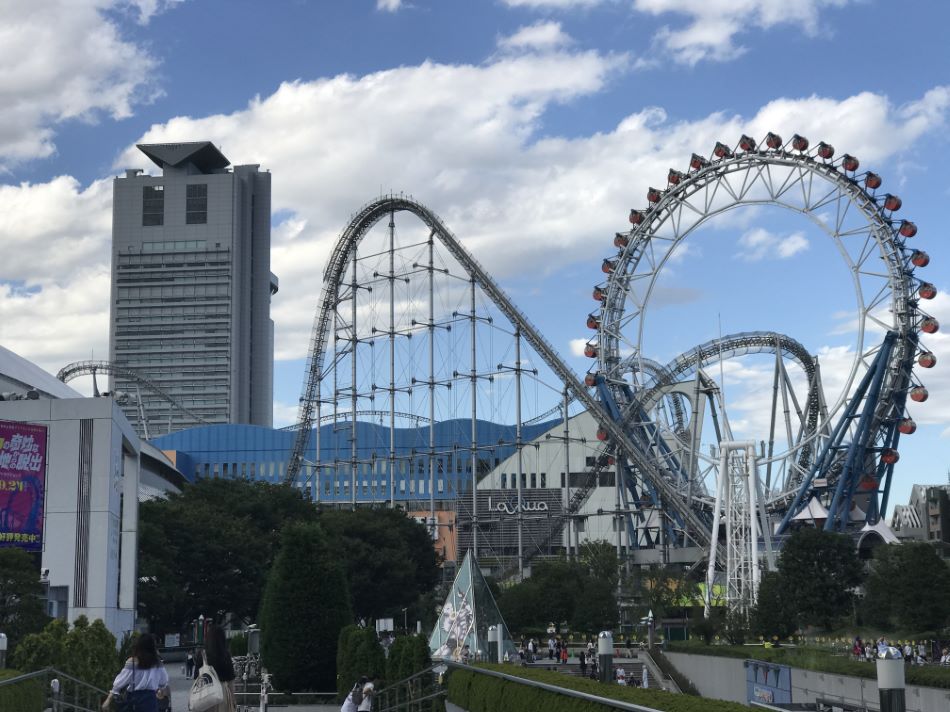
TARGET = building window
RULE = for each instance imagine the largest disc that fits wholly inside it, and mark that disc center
(153, 205)
(589, 461)
(534, 480)
(196, 204)
(544, 479)
(504, 480)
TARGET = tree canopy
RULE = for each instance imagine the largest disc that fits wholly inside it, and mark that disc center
(21, 605)
(581, 593)
(388, 556)
(907, 586)
(306, 604)
(207, 551)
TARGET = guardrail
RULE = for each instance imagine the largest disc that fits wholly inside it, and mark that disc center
(61, 692)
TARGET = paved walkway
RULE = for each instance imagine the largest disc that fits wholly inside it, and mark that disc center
(181, 686)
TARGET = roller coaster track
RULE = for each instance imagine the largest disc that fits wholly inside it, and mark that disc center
(365, 219)
(417, 419)
(87, 368)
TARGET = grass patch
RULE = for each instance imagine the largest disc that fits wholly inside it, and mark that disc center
(25, 696)
(482, 693)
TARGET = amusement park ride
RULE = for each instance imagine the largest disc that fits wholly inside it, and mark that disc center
(663, 429)
(412, 331)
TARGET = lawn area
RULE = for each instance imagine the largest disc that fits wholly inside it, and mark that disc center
(819, 659)
(482, 693)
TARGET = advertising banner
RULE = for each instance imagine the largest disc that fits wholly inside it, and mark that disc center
(22, 484)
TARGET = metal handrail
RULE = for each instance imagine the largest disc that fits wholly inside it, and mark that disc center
(62, 700)
(616, 704)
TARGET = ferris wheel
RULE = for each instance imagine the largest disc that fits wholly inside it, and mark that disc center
(863, 419)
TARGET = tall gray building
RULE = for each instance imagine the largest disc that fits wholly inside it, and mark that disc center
(191, 290)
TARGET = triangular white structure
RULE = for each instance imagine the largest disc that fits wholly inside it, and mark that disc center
(467, 613)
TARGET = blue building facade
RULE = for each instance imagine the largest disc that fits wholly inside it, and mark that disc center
(261, 454)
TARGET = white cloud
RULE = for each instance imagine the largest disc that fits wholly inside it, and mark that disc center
(65, 60)
(759, 244)
(712, 25)
(552, 4)
(389, 5)
(466, 137)
(577, 347)
(541, 35)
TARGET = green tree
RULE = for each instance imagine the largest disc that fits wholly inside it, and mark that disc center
(663, 589)
(358, 653)
(907, 586)
(208, 550)
(389, 558)
(90, 653)
(21, 605)
(305, 605)
(87, 651)
(774, 612)
(44, 649)
(818, 572)
(596, 608)
(600, 559)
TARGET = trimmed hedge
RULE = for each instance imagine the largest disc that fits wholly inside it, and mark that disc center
(483, 693)
(25, 696)
(817, 660)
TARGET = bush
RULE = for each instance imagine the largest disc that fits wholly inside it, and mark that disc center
(25, 696)
(305, 604)
(483, 693)
(358, 653)
(86, 652)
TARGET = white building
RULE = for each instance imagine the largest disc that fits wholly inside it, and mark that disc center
(97, 469)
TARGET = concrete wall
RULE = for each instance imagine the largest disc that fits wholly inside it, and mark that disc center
(725, 679)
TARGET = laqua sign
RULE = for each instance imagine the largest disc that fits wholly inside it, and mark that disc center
(507, 507)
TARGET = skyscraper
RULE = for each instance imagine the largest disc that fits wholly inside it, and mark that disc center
(191, 290)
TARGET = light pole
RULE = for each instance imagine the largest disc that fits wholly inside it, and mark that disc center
(3, 650)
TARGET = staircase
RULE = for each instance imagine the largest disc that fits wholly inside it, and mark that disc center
(49, 689)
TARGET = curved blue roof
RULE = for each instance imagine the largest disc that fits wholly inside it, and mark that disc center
(258, 453)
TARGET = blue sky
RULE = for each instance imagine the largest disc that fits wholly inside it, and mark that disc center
(532, 125)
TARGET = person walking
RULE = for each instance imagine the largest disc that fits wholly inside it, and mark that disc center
(190, 665)
(368, 692)
(564, 654)
(355, 698)
(217, 656)
(551, 646)
(582, 657)
(143, 677)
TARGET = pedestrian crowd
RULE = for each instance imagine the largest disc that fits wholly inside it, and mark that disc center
(912, 653)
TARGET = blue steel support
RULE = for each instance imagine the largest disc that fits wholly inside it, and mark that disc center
(893, 435)
(854, 460)
(827, 455)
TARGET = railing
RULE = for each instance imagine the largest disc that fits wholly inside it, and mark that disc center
(416, 693)
(60, 692)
